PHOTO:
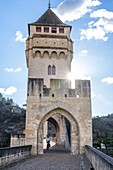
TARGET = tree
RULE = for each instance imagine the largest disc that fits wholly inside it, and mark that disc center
(11, 121)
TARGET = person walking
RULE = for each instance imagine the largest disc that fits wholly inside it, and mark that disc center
(48, 141)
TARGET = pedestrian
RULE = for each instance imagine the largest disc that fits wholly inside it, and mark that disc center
(48, 141)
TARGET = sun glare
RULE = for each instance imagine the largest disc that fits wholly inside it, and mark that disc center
(72, 77)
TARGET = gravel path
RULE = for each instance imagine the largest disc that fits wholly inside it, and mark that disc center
(51, 161)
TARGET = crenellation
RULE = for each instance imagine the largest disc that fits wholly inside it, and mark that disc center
(60, 88)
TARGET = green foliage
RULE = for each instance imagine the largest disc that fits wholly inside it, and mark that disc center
(103, 130)
(97, 143)
(12, 120)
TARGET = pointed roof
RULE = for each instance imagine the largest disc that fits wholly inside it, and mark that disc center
(49, 18)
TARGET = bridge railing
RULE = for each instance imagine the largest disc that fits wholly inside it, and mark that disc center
(98, 159)
(11, 154)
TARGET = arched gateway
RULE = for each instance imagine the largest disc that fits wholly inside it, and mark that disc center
(50, 98)
(74, 130)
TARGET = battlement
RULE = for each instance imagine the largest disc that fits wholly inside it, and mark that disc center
(59, 88)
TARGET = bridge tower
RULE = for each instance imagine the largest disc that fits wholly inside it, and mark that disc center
(49, 52)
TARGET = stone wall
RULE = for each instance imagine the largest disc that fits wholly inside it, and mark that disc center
(41, 109)
(12, 154)
(49, 49)
(98, 159)
(17, 140)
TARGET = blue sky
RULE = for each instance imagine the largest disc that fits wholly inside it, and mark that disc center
(92, 33)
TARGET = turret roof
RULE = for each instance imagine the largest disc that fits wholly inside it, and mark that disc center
(49, 18)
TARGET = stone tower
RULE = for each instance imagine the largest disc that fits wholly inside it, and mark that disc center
(49, 52)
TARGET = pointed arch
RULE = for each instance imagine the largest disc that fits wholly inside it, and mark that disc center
(49, 70)
(53, 70)
(75, 141)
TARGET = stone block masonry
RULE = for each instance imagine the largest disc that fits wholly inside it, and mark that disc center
(12, 154)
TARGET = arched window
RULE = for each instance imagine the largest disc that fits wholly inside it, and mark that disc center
(53, 70)
(49, 70)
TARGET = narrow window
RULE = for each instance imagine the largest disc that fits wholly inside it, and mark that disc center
(53, 70)
(49, 70)
(46, 29)
(65, 95)
(52, 95)
(61, 30)
(38, 29)
(54, 30)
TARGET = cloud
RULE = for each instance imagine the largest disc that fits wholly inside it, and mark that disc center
(98, 29)
(19, 37)
(102, 13)
(69, 10)
(9, 91)
(93, 33)
(12, 69)
(108, 80)
(83, 53)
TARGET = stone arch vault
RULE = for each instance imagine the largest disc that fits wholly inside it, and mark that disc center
(74, 130)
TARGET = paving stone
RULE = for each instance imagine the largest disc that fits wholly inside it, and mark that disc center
(51, 161)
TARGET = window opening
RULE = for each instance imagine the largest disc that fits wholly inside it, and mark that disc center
(38, 29)
(46, 29)
(49, 70)
(65, 95)
(77, 96)
(54, 30)
(61, 30)
(53, 70)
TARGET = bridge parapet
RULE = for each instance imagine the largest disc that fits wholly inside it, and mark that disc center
(11, 154)
(98, 159)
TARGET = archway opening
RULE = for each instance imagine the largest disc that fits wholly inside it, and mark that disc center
(51, 128)
(67, 132)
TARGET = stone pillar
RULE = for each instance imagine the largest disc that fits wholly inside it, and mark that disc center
(45, 129)
(62, 130)
(57, 135)
(40, 140)
(74, 139)
(31, 135)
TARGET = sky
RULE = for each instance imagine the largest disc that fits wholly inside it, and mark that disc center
(92, 34)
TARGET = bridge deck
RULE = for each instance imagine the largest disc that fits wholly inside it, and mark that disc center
(56, 159)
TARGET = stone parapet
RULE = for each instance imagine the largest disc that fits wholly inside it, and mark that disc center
(58, 88)
(98, 159)
(11, 154)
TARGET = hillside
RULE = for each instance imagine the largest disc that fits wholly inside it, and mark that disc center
(103, 130)
(12, 120)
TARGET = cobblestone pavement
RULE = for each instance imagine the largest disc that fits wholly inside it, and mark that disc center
(57, 158)
(51, 161)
